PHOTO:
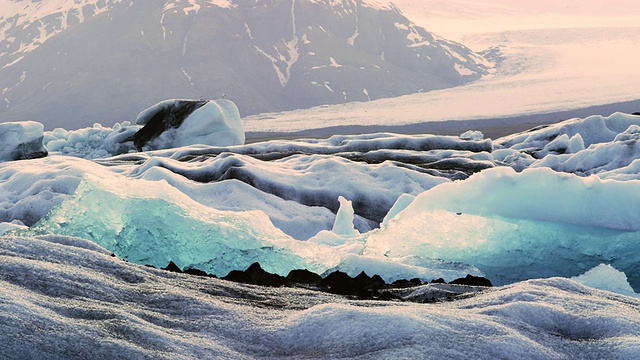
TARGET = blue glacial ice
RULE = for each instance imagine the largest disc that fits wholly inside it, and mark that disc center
(515, 226)
(151, 222)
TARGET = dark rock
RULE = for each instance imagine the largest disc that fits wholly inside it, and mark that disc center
(163, 117)
(196, 272)
(257, 276)
(636, 113)
(172, 267)
(362, 286)
(387, 296)
(404, 283)
(472, 280)
(438, 281)
(237, 276)
(370, 283)
(339, 282)
(304, 277)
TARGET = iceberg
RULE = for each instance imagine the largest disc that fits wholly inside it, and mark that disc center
(153, 223)
(92, 142)
(175, 123)
(606, 277)
(21, 140)
(344, 219)
(516, 226)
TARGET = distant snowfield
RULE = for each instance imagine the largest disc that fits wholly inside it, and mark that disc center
(557, 55)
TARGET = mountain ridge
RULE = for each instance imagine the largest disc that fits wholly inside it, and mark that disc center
(128, 55)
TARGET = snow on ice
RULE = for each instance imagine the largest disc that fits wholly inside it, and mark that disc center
(85, 303)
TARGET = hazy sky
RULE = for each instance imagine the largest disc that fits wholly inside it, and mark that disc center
(456, 18)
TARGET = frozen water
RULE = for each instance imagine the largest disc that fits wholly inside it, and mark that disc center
(29, 189)
(515, 226)
(21, 140)
(344, 219)
(7, 226)
(153, 223)
(216, 123)
(403, 201)
(606, 277)
(506, 225)
(92, 142)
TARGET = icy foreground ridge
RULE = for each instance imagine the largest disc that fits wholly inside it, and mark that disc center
(68, 298)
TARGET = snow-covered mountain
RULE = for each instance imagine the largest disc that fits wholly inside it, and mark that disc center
(72, 63)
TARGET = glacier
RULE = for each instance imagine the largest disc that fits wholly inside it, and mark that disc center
(560, 243)
(402, 206)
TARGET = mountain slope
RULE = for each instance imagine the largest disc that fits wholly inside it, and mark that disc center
(74, 64)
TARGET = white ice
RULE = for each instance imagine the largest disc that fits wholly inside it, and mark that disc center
(19, 139)
(93, 142)
(514, 226)
(344, 219)
(217, 123)
(606, 277)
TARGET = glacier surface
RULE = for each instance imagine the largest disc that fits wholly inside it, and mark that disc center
(444, 206)
(72, 300)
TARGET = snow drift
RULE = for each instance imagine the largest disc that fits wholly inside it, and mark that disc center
(71, 299)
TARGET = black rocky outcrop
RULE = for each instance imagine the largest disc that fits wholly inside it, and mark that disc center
(472, 280)
(404, 283)
(172, 267)
(196, 272)
(363, 286)
(163, 118)
(255, 275)
(303, 277)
